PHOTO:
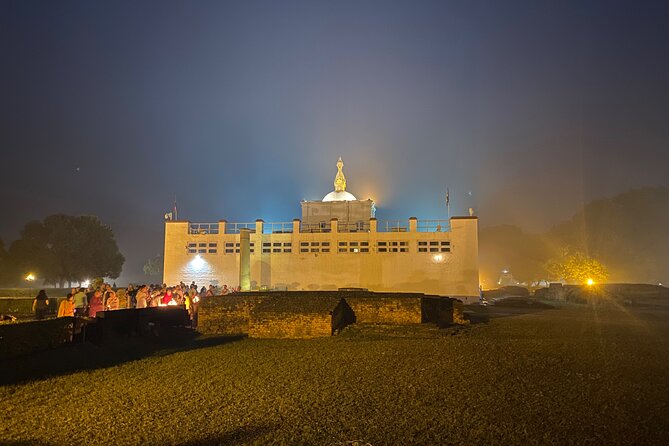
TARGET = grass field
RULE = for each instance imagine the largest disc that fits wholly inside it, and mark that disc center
(574, 375)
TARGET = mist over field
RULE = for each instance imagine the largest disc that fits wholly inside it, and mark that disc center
(627, 233)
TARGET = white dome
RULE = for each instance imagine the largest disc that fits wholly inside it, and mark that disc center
(339, 196)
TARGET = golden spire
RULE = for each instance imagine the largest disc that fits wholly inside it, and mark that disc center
(340, 179)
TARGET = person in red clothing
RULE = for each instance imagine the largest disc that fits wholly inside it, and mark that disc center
(95, 304)
(167, 297)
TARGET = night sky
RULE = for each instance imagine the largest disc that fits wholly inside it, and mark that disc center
(240, 109)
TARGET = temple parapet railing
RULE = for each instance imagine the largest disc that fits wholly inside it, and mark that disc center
(371, 225)
(315, 227)
(203, 228)
(392, 226)
(233, 228)
(277, 227)
(360, 226)
(433, 226)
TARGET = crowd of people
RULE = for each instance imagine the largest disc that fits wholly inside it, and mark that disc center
(87, 302)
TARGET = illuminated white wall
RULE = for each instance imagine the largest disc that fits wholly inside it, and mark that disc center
(199, 270)
(453, 273)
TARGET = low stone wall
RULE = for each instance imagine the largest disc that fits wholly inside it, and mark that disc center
(442, 311)
(293, 316)
(23, 338)
(289, 325)
(320, 313)
(299, 316)
(459, 313)
(600, 293)
(506, 291)
(636, 290)
(228, 315)
(388, 308)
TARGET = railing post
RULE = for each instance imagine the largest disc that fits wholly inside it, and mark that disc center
(334, 226)
(413, 224)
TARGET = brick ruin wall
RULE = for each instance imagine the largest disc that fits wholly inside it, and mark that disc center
(18, 339)
(288, 325)
(227, 315)
(386, 309)
(318, 314)
(302, 315)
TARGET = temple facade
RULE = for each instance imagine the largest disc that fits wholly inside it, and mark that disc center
(338, 243)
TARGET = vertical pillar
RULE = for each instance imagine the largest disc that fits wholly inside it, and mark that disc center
(375, 274)
(334, 225)
(465, 254)
(259, 226)
(245, 259)
(221, 226)
(413, 224)
(297, 236)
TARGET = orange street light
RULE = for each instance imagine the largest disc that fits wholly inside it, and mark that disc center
(30, 278)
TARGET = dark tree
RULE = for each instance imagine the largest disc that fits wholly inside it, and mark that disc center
(66, 248)
(577, 268)
(628, 233)
(6, 270)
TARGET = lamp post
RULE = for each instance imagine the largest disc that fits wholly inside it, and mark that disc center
(30, 278)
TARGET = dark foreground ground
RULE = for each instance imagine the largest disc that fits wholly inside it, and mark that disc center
(574, 375)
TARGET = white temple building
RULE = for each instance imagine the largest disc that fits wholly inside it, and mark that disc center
(338, 243)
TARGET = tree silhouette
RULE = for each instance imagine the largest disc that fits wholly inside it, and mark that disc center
(576, 267)
(66, 248)
(6, 269)
(628, 233)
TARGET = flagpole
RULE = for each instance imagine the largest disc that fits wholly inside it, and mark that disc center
(448, 206)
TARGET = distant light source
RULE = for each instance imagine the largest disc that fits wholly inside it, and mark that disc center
(590, 282)
(30, 277)
(438, 258)
(197, 262)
